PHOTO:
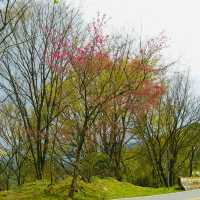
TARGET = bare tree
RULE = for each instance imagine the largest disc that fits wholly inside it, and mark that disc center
(164, 131)
(11, 11)
(12, 142)
(34, 88)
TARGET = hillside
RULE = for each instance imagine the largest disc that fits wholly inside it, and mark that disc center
(108, 188)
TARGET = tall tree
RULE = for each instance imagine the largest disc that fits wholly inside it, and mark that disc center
(100, 72)
(26, 79)
(163, 129)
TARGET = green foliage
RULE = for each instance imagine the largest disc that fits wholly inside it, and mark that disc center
(56, 1)
(133, 172)
(94, 164)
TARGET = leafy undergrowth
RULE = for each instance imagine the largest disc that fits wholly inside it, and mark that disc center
(108, 188)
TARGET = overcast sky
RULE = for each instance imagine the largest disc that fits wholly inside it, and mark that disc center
(180, 19)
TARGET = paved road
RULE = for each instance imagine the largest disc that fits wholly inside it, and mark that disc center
(187, 195)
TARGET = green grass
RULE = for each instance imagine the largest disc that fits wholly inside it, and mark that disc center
(98, 189)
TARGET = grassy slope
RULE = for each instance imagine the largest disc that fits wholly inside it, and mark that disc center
(97, 189)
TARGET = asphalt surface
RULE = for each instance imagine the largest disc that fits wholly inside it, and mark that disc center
(186, 195)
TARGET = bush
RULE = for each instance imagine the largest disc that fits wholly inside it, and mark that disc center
(94, 164)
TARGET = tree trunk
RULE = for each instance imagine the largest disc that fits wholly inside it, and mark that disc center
(191, 161)
(161, 173)
(19, 177)
(171, 173)
(73, 187)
